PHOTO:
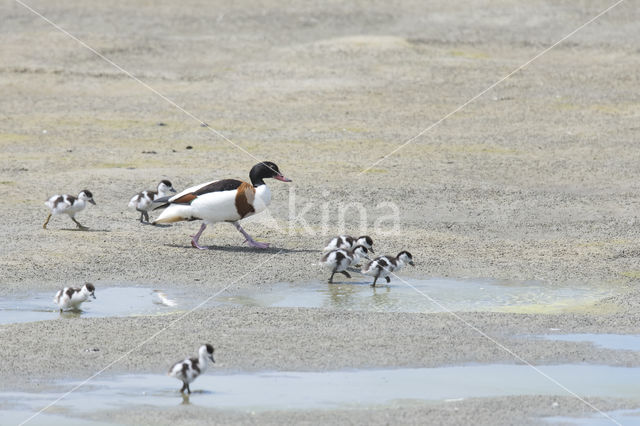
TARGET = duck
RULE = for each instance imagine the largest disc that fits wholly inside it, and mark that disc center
(189, 369)
(226, 200)
(142, 201)
(68, 204)
(339, 260)
(383, 266)
(346, 242)
(73, 297)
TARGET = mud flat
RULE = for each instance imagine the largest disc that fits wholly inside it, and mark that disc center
(536, 181)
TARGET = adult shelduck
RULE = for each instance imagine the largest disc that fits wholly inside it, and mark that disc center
(227, 200)
(68, 204)
(143, 200)
(190, 368)
(383, 266)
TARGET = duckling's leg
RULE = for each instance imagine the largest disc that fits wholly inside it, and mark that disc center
(331, 277)
(188, 389)
(345, 273)
(388, 279)
(80, 226)
(195, 238)
(250, 240)
(146, 216)
(375, 279)
(141, 214)
(46, 222)
(184, 387)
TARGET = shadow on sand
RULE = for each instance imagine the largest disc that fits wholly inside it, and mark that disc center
(84, 230)
(244, 249)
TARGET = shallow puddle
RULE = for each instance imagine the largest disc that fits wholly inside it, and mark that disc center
(17, 417)
(420, 295)
(454, 295)
(624, 417)
(629, 342)
(109, 302)
(269, 391)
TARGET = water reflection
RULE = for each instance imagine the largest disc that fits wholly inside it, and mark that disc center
(185, 399)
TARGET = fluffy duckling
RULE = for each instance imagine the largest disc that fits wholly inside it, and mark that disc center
(143, 200)
(339, 260)
(383, 266)
(190, 368)
(346, 242)
(73, 297)
(68, 204)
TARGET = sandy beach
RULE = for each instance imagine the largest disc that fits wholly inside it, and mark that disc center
(537, 180)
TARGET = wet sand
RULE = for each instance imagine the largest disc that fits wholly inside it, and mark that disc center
(536, 180)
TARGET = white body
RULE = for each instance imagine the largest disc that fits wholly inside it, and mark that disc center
(346, 242)
(213, 207)
(334, 262)
(144, 199)
(341, 242)
(189, 369)
(339, 260)
(71, 298)
(383, 266)
(66, 206)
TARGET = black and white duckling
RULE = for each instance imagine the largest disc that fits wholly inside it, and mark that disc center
(73, 297)
(227, 200)
(383, 266)
(190, 368)
(339, 260)
(142, 201)
(68, 204)
(346, 242)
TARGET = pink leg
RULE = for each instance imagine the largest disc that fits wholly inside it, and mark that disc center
(195, 238)
(250, 240)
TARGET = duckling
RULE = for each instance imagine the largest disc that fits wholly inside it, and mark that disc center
(190, 368)
(383, 266)
(339, 260)
(142, 201)
(346, 242)
(68, 204)
(73, 297)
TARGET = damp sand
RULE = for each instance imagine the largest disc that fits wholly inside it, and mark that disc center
(536, 180)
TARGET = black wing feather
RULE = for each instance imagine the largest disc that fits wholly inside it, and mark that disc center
(221, 185)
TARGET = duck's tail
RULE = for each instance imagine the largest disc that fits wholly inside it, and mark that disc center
(174, 213)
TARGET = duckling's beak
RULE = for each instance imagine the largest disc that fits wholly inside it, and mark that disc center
(411, 263)
(92, 202)
(212, 360)
(172, 190)
(372, 250)
(282, 178)
(93, 295)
